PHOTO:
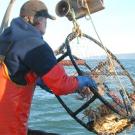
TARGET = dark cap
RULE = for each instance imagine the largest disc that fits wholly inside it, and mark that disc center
(35, 8)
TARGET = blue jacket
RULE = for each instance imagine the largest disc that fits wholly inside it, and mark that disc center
(28, 52)
(30, 57)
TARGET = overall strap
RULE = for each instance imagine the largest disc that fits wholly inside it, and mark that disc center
(4, 49)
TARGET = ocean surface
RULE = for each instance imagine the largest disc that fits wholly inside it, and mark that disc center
(47, 113)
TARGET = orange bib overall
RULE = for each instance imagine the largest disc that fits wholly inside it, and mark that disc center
(15, 101)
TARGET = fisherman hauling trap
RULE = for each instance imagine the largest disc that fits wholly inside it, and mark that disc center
(24, 58)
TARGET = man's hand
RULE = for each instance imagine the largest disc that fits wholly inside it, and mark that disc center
(86, 81)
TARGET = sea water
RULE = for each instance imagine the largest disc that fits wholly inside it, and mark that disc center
(47, 113)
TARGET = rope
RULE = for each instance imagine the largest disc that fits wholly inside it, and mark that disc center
(76, 27)
(111, 62)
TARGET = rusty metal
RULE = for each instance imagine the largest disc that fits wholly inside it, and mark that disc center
(69, 63)
(67, 7)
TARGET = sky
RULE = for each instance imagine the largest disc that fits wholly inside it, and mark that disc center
(115, 24)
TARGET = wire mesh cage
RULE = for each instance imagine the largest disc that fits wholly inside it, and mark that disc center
(110, 108)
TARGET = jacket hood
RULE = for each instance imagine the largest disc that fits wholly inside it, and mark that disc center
(19, 30)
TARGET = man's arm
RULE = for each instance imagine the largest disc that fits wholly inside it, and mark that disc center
(42, 61)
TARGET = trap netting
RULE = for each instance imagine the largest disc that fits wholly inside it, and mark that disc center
(108, 109)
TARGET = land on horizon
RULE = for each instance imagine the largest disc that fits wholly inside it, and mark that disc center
(119, 56)
(126, 56)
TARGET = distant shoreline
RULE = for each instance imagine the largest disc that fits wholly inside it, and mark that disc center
(125, 56)
(119, 56)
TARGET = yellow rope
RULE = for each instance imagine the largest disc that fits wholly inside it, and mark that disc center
(76, 27)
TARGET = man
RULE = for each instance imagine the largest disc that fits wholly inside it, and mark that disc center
(24, 57)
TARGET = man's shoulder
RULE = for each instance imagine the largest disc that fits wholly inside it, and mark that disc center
(34, 41)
